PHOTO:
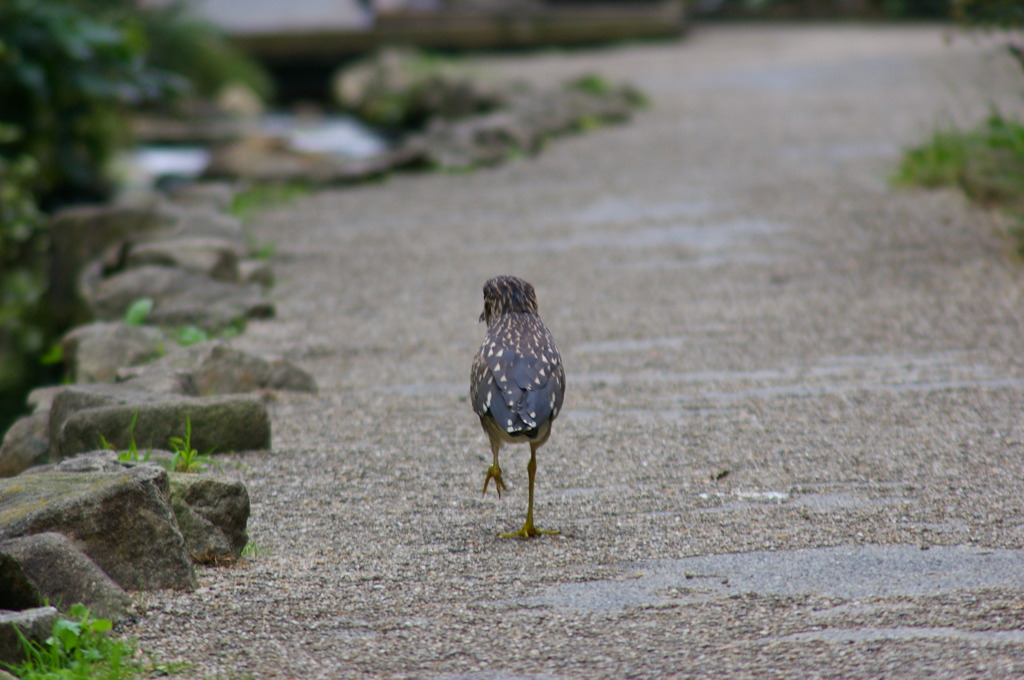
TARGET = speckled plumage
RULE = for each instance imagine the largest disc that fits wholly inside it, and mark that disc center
(517, 380)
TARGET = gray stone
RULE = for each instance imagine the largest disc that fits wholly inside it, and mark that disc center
(158, 379)
(17, 591)
(77, 398)
(220, 369)
(81, 234)
(284, 375)
(179, 298)
(212, 515)
(212, 257)
(41, 398)
(100, 460)
(94, 352)
(122, 520)
(272, 159)
(477, 141)
(34, 624)
(400, 88)
(219, 423)
(256, 271)
(63, 575)
(25, 444)
(216, 196)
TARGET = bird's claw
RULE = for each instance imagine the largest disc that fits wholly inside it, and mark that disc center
(494, 472)
(529, 531)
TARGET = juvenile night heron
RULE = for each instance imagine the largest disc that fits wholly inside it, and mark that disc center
(517, 380)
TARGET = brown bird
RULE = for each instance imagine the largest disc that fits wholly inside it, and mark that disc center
(517, 381)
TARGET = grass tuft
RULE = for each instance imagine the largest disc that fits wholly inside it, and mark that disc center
(986, 163)
(78, 648)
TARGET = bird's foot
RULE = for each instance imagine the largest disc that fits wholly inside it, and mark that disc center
(494, 472)
(528, 531)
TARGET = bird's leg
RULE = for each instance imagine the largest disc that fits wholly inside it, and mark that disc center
(494, 472)
(529, 530)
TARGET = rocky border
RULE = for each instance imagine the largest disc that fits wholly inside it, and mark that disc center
(77, 522)
(442, 116)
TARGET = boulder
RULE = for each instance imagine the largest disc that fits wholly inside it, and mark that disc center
(256, 271)
(77, 398)
(213, 257)
(63, 575)
(220, 369)
(402, 88)
(159, 379)
(212, 514)
(17, 591)
(25, 444)
(81, 234)
(35, 624)
(219, 424)
(262, 158)
(94, 352)
(179, 298)
(216, 196)
(478, 141)
(122, 520)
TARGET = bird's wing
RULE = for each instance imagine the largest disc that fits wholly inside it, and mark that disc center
(521, 382)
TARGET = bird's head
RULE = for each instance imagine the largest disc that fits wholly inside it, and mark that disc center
(508, 295)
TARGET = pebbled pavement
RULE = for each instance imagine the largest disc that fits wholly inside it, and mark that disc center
(792, 442)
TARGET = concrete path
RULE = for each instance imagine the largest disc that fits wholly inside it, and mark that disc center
(792, 444)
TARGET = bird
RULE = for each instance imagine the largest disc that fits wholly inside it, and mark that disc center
(517, 381)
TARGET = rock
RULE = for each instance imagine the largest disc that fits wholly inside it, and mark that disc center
(63, 575)
(100, 460)
(256, 271)
(216, 196)
(94, 352)
(261, 158)
(219, 369)
(25, 444)
(17, 591)
(71, 400)
(179, 298)
(219, 423)
(81, 234)
(122, 520)
(477, 141)
(188, 222)
(35, 624)
(41, 398)
(264, 158)
(158, 379)
(401, 88)
(212, 515)
(212, 257)
(284, 375)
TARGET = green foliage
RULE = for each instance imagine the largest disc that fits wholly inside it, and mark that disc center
(987, 163)
(131, 454)
(22, 242)
(253, 550)
(265, 196)
(138, 312)
(197, 50)
(79, 648)
(186, 458)
(66, 75)
(991, 13)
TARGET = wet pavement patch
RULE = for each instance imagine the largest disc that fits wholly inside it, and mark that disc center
(850, 572)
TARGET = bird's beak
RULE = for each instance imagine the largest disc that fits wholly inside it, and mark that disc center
(481, 317)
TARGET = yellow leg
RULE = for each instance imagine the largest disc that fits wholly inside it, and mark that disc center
(529, 530)
(494, 472)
